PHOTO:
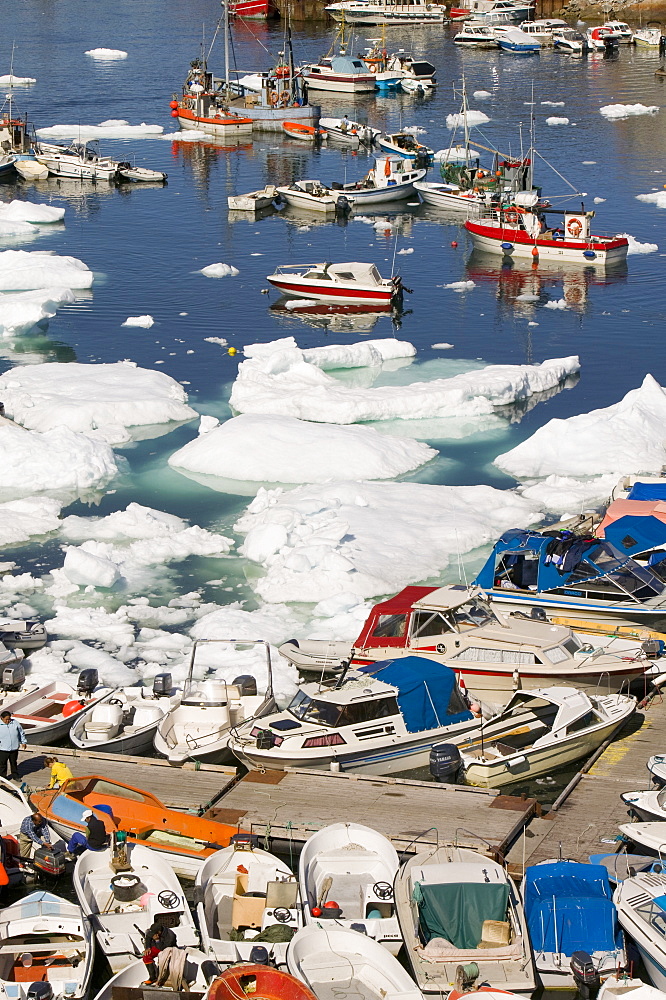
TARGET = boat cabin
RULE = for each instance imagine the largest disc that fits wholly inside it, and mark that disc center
(14, 135)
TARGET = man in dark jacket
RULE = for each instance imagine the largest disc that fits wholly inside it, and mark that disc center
(94, 837)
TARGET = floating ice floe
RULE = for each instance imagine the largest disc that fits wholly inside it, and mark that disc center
(114, 128)
(259, 448)
(627, 110)
(414, 130)
(441, 347)
(24, 270)
(58, 460)
(23, 230)
(9, 80)
(219, 271)
(28, 211)
(553, 104)
(473, 118)
(553, 303)
(657, 198)
(106, 53)
(99, 400)
(284, 383)
(22, 311)
(481, 95)
(368, 538)
(627, 437)
(553, 120)
(460, 286)
(406, 250)
(27, 518)
(145, 321)
(636, 247)
(187, 135)
(366, 353)
(598, 201)
(564, 495)
(216, 340)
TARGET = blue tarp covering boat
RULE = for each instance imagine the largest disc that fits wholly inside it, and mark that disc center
(648, 491)
(428, 694)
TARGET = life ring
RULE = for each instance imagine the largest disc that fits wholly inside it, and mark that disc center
(282, 71)
(284, 100)
(511, 216)
(274, 99)
(574, 228)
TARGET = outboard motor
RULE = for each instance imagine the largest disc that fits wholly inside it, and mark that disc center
(653, 648)
(343, 205)
(421, 159)
(40, 991)
(247, 685)
(87, 682)
(13, 678)
(162, 685)
(210, 970)
(538, 614)
(259, 955)
(445, 763)
(585, 975)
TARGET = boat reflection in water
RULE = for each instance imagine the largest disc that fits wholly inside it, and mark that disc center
(524, 285)
(334, 317)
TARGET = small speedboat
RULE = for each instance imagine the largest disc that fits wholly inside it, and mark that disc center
(48, 713)
(342, 73)
(126, 720)
(336, 962)
(649, 37)
(405, 145)
(639, 901)
(313, 196)
(253, 201)
(348, 132)
(391, 179)
(621, 30)
(351, 282)
(602, 39)
(569, 907)
(542, 29)
(514, 39)
(128, 172)
(122, 891)
(656, 765)
(242, 892)
(181, 971)
(81, 160)
(457, 907)
(651, 835)
(570, 40)
(476, 35)
(183, 839)
(621, 985)
(346, 873)
(648, 806)
(7, 164)
(45, 939)
(306, 133)
(262, 981)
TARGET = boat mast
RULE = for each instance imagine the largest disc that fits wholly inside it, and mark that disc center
(225, 5)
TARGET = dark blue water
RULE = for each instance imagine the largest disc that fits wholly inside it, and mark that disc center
(147, 244)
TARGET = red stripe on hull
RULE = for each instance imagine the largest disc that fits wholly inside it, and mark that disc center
(338, 293)
(506, 234)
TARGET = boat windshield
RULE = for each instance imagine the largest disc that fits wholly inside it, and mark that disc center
(606, 571)
(473, 614)
(327, 713)
(661, 799)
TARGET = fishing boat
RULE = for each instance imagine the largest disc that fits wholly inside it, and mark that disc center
(248, 979)
(351, 282)
(387, 12)
(246, 896)
(404, 144)
(253, 201)
(198, 727)
(569, 908)
(511, 38)
(339, 73)
(476, 35)
(306, 133)
(182, 973)
(126, 720)
(415, 71)
(567, 725)
(184, 840)
(48, 713)
(349, 132)
(650, 805)
(346, 874)
(27, 634)
(640, 909)
(334, 961)
(570, 40)
(572, 577)
(122, 891)
(458, 907)
(81, 160)
(392, 178)
(44, 939)
(491, 649)
(14, 807)
(493, 11)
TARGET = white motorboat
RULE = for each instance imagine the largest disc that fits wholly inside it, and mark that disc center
(387, 12)
(621, 986)
(27, 634)
(621, 30)
(143, 175)
(45, 939)
(656, 765)
(458, 907)
(649, 37)
(569, 908)
(240, 893)
(441, 194)
(649, 835)
(568, 724)
(13, 683)
(253, 201)
(313, 196)
(198, 728)
(405, 145)
(48, 713)
(349, 132)
(640, 910)
(570, 40)
(14, 807)
(415, 71)
(351, 282)
(81, 160)
(543, 28)
(391, 179)
(122, 891)
(345, 874)
(335, 962)
(126, 720)
(342, 73)
(182, 971)
(476, 35)
(493, 11)
(648, 806)
(511, 38)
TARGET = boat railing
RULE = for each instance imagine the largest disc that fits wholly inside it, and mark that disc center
(281, 268)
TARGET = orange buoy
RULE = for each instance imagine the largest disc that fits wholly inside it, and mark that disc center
(173, 104)
(535, 251)
(174, 114)
(71, 707)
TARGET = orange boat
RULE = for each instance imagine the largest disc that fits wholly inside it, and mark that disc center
(186, 840)
(305, 132)
(248, 980)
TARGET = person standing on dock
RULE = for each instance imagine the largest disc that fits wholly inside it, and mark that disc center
(12, 739)
(60, 773)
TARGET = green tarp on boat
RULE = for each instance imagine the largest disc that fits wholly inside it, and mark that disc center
(457, 911)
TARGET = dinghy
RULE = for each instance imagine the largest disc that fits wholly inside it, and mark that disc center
(261, 981)
(349, 132)
(346, 874)
(253, 201)
(457, 907)
(122, 891)
(27, 634)
(126, 720)
(569, 908)
(45, 939)
(198, 728)
(351, 282)
(48, 713)
(183, 839)
(245, 896)
(306, 133)
(128, 172)
(336, 963)
(640, 909)
(183, 973)
(404, 144)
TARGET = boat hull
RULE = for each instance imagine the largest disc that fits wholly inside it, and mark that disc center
(356, 296)
(226, 126)
(327, 206)
(400, 14)
(492, 240)
(61, 167)
(341, 84)
(431, 194)
(254, 10)
(379, 196)
(565, 608)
